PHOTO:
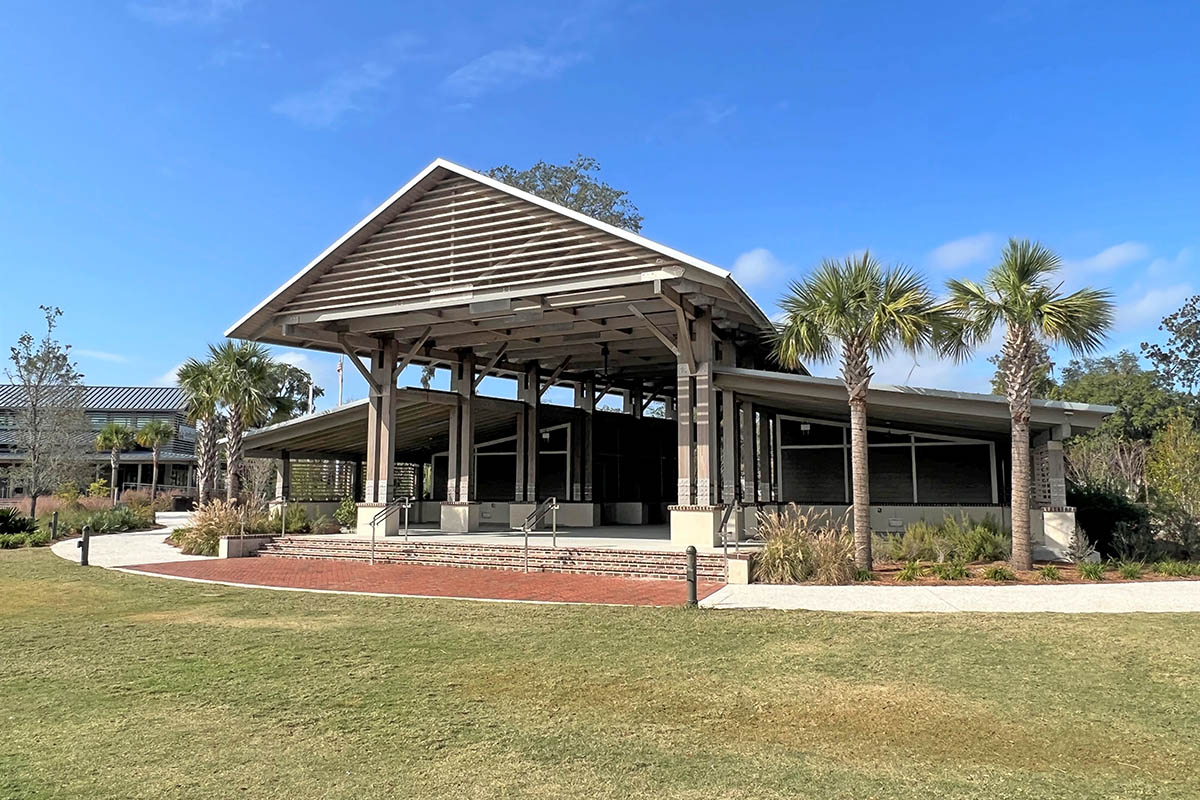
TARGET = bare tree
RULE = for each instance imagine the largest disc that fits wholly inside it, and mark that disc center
(50, 425)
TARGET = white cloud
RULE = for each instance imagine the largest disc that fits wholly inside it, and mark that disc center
(170, 377)
(1162, 267)
(1152, 306)
(506, 68)
(756, 267)
(964, 252)
(240, 50)
(180, 12)
(101, 355)
(1109, 259)
(322, 105)
(348, 89)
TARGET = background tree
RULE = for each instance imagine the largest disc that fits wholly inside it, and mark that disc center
(1043, 372)
(864, 311)
(1145, 400)
(199, 382)
(287, 389)
(155, 434)
(50, 428)
(573, 186)
(243, 380)
(1018, 295)
(115, 438)
(1179, 359)
(1173, 471)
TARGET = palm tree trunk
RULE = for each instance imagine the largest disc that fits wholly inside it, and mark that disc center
(114, 459)
(1018, 353)
(1022, 546)
(153, 474)
(861, 484)
(856, 374)
(233, 455)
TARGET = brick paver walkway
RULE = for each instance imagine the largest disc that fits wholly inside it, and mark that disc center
(401, 579)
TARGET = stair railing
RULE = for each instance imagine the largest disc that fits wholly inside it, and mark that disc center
(391, 508)
(547, 506)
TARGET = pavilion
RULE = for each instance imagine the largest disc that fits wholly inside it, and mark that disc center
(466, 273)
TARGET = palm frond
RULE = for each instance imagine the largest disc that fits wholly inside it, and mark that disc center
(1080, 320)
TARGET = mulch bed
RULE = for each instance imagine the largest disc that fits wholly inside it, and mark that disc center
(885, 573)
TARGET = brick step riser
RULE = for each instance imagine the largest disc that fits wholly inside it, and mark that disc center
(581, 570)
(575, 555)
(357, 544)
(558, 558)
(511, 561)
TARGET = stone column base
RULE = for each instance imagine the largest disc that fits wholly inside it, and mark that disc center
(696, 525)
(460, 517)
(385, 527)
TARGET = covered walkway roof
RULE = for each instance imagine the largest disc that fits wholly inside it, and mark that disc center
(422, 427)
(929, 408)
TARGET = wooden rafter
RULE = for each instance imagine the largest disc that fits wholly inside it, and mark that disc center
(554, 375)
(366, 373)
(490, 366)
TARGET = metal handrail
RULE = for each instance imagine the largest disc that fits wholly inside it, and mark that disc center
(387, 511)
(729, 509)
(547, 506)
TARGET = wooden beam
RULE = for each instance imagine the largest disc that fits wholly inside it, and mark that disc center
(490, 366)
(554, 375)
(658, 334)
(412, 351)
(366, 373)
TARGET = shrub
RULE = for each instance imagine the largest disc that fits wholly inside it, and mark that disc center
(9, 541)
(951, 571)
(1049, 572)
(1130, 570)
(210, 522)
(13, 521)
(1091, 570)
(863, 576)
(347, 512)
(909, 572)
(295, 519)
(1102, 512)
(326, 525)
(99, 488)
(803, 546)
(999, 573)
(977, 541)
(1176, 569)
(1080, 550)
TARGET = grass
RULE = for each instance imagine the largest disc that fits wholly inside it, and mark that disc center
(116, 685)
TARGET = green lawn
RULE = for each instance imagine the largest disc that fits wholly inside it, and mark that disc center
(115, 686)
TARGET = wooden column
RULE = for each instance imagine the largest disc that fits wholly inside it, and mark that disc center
(519, 456)
(589, 453)
(452, 467)
(704, 410)
(381, 423)
(766, 477)
(532, 396)
(634, 399)
(685, 468)
(356, 482)
(729, 448)
(283, 486)
(466, 390)
(749, 471)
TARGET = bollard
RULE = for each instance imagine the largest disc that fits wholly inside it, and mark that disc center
(691, 576)
(54, 526)
(85, 536)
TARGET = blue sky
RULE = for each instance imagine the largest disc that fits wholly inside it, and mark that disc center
(165, 164)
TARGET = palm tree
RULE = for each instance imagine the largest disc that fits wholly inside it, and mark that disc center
(1018, 294)
(866, 311)
(243, 380)
(154, 434)
(199, 383)
(114, 437)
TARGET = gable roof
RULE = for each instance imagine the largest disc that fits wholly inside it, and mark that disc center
(261, 317)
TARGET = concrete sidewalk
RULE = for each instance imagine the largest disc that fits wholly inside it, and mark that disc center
(1113, 598)
(124, 549)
